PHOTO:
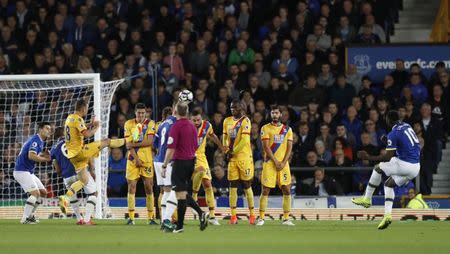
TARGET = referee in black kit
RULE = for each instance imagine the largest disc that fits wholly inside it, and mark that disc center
(181, 146)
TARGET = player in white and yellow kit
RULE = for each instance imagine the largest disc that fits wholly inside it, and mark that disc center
(79, 153)
(202, 172)
(277, 142)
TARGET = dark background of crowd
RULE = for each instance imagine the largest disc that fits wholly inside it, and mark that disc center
(262, 52)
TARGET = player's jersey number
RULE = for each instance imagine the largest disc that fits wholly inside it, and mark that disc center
(411, 136)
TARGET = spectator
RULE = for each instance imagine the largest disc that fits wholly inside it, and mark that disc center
(174, 61)
(325, 135)
(341, 144)
(400, 75)
(242, 54)
(326, 78)
(323, 154)
(345, 30)
(322, 39)
(353, 78)
(220, 182)
(367, 36)
(323, 185)
(290, 62)
(377, 29)
(352, 124)
(418, 89)
(116, 179)
(312, 160)
(199, 60)
(256, 91)
(301, 96)
(341, 92)
(305, 141)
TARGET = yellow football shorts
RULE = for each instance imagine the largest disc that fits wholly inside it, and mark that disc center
(133, 172)
(81, 160)
(271, 177)
(203, 162)
(241, 170)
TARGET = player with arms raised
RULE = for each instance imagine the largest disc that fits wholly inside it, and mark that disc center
(139, 134)
(202, 173)
(64, 168)
(236, 136)
(277, 142)
(32, 152)
(79, 153)
(400, 162)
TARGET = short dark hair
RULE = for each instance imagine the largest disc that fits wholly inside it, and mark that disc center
(392, 115)
(139, 106)
(81, 103)
(303, 123)
(182, 109)
(41, 125)
(196, 112)
(166, 112)
(59, 132)
(275, 107)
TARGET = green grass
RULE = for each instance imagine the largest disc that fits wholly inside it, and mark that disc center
(112, 236)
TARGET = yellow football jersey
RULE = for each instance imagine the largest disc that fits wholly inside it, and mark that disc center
(233, 130)
(203, 131)
(278, 136)
(148, 128)
(74, 126)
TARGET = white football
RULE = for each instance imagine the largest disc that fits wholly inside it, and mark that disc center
(186, 96)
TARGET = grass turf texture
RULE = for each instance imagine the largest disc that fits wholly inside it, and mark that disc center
(112, 236)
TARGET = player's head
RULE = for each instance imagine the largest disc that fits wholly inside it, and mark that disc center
(140, 111)
(275, 113)
(392, 118)
(81, 107)
(44, 130)
(182, 109)
(196, 117)
(59, 132)
(167, 111)
(236, 108)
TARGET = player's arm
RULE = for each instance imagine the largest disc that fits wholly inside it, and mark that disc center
(32, 155)
(288, 152)
(268, 152)
(148, 141)
(216, 141)
(89, 131)
(56, 167)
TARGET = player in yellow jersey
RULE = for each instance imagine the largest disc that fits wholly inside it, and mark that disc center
(202, 173)
(79, 153)
(236, 136)
(139, 134)
(277, 142)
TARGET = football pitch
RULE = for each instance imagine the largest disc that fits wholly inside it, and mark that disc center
(112, 236)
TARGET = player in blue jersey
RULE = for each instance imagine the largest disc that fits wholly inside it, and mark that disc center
(400, 162)
(165, 183)
(32, 152)
(65, 168)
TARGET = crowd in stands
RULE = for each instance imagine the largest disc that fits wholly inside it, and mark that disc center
(286, 52)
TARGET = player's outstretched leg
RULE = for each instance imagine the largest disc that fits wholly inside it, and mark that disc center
(30, 203)
(250, 201)
(374, 182)
(64, 200)
(389, 196)
(263, 205)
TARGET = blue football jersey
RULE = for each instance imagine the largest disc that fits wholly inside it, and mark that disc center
(33, 144)
(404, 141)
(160, 140)
(56, 153)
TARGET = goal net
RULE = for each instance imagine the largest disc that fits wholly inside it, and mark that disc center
(26, 100)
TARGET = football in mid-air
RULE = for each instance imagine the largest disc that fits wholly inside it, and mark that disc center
(185, 96)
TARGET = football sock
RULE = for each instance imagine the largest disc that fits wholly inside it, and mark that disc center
(90, 208)
(117, 143)
(164, 203)
(131, 205)
(159, 202)
(374, 182)
(233, 200)
(388, 199)
(250, 200)
(181, 212)
(286, 206)
(29, 205)
(263, 206)
(38, 202)
(150, 203)
(74, 188)
(196, 183)
(171, 205)
(191, 202)
(75, 204)
(210, 201)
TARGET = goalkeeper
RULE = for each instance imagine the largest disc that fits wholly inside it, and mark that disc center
(139, 133)
(79, 153)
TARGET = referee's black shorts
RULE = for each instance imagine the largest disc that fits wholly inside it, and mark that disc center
(182, 171)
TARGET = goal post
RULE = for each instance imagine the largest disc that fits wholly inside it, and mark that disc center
(27, 99)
